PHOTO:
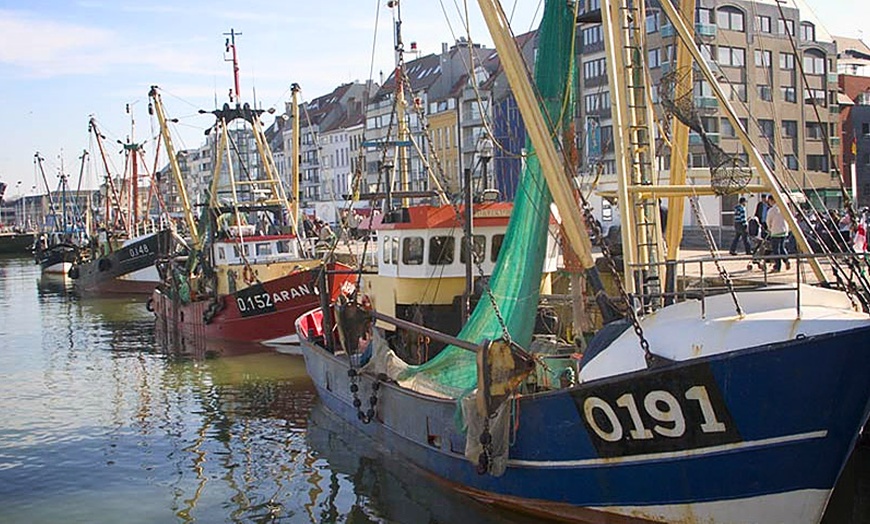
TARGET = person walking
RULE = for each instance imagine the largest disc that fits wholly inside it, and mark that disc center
(740, 227)
(761, 215)
(778, 230)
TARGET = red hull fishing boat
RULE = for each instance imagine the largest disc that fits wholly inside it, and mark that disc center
(248, 277)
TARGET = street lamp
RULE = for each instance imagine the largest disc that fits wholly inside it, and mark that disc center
(485, 151)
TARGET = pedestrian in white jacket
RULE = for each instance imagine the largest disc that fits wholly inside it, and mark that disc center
(778, 230)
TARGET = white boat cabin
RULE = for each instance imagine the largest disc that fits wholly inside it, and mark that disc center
(430, 244)
(259, 249)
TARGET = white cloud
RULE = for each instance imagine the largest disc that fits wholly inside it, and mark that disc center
(42, 48)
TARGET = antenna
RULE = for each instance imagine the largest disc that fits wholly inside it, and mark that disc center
(231, 46)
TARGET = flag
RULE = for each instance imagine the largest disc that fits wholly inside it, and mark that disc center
(860, 241)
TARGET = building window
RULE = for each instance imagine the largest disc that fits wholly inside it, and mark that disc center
(814, 131)
(817, 163)
(730, 18)
(762, 24)
(738, 93)
(704, 16)
(765, 128)
(865, 128)
(791, 162)
(788, 94)
(813, 63)
(652, 22)
(412, 251)
(764, 93)
(786, 61)
(789, 128)
(732, 56)
(816, 96)
(763, 58)
(783, 25)
(592, 35)
(726, 129)
(808, 32)
(442, 250)
(654, 57)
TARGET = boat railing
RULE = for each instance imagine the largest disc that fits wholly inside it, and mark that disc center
(699, 278)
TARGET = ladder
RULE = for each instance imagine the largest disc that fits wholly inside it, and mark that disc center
(643, 245)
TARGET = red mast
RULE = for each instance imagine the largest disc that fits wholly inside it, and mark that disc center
(231, 46)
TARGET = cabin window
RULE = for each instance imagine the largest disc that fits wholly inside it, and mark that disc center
(412, 251)
(496, 247)
(222, 254)
(238, 252)
(441, 250)
(478, 246)
(264, 249)
(283, 246)
(394, 250)
(386, 254)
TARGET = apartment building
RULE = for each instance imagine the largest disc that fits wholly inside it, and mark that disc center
(853, 59)
(777, 63)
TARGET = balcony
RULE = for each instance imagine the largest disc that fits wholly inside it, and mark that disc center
(695, 139)
(702, 30)
(705, 30)
(706, 102)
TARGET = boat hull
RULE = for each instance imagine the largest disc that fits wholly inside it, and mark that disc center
(57, 259)
(784, 418)
(263, 313)
(127, 270)
(15, 243)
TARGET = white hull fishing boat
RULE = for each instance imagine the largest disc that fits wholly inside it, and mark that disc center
(735, 407)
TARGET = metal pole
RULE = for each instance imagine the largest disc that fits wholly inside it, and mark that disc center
(467, 241)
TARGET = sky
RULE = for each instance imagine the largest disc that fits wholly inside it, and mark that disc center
(65, 61)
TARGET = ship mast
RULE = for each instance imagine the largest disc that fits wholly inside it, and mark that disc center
(551, 165)
(174, 166)
(401, 106)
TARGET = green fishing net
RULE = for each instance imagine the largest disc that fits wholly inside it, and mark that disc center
(516, 279)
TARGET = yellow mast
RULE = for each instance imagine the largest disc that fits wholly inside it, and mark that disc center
(175, 168)
(679, 140)
(294, 160)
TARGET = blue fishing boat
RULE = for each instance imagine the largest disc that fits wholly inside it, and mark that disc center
(734, 405)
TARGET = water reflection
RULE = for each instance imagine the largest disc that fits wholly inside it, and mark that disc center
(358, 481)
(102, 422)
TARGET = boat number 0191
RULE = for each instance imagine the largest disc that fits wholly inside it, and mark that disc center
(661, 406)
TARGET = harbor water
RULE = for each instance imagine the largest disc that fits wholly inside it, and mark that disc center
(101, 422)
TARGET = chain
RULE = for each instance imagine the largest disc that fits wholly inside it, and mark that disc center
(485, 439)
(723, 273)
(369, 414)
(651, 359)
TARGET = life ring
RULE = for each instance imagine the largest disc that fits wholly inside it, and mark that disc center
(149, 304)
(104, 264)
(249, 275)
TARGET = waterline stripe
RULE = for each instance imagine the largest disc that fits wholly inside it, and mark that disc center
(667, 455)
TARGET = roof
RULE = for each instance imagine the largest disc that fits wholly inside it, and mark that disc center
(844, 100)
(845, 44)
(491, 214)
